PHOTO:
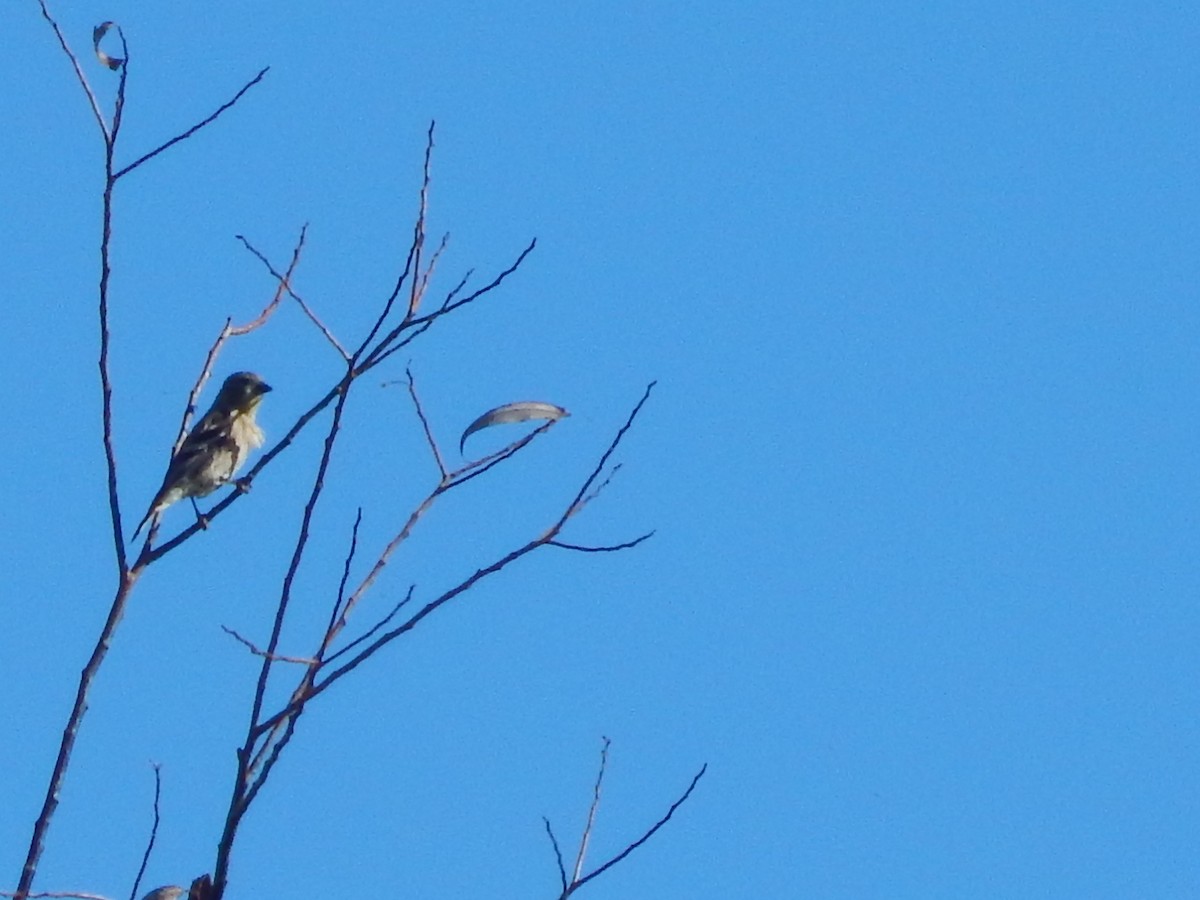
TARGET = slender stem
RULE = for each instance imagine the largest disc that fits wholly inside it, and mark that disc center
(86, 677)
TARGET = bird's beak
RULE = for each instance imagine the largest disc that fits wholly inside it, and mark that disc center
(264, 388)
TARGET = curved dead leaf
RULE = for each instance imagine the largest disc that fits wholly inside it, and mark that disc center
(98, 34)
(521, 411)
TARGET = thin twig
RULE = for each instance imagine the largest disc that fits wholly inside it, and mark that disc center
(64, 895)
(562, 873)
(284, 286)
(244, 789)
(118, 106)
(456, 290)
(336, 613)
(386, 346)
(414, 294)
(285, 281)
(602, 485)
(645, 837)
(419, 294)
(586, 838)
(374, 629)
(257, 651)
(83, 82)
(480, 466)
(607, 549)
(106, 388)
(125, 577)
(466, 584)
(133, 892)
(187, 134)
(433, 447)
(576, 504)
(412, 261)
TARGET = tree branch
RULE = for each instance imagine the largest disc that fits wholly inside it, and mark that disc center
(645, 837)
(153, 832)
(187, 134)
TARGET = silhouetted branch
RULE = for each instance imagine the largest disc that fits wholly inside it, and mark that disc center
(420, 324)
(153, 832)
(562, 873)
(382, 623)
(286, 283)
(337, 613)
(645, 837)
(608, 549)
(433, 447)
(320, 685)
(586, 838)
(412, 261)
(579, 501)
(266, 737)
(187, 134)
(83, 82)
(126, 579)
(257, 651)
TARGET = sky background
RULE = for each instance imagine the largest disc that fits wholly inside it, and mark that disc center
(918, 283)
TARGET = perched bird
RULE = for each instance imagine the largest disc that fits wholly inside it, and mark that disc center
(216, 448)
(170, 892)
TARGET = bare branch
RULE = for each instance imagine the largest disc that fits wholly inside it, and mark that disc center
(126, 577)
(602, 485)
(336, 613)
(608, 549)
(433, 447)
(400, 604)
(83, 82)
(586, 838)
(417, 288)
(301, 543)
(118, 109)
(645, 837)
(412, 262)
(387, 346)
(71, 731)
(479, 466)
(133, 892)
(55, 894)
(246, 784)
(562, 873)
(285, 281)
(106, 389)
(456, 290)
(578, 502)
(187, 134)
(419, 292)
(304, 661)
(452, 480)
(284, 286)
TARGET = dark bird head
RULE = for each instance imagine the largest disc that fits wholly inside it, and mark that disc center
(241, 392)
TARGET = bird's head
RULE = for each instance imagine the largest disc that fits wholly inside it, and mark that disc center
(241, 392)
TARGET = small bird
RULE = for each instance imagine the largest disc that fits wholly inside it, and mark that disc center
(216, 448)
(170, 892)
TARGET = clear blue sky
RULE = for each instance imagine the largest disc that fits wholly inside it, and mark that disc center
(919, 287)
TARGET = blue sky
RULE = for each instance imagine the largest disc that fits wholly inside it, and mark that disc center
(919, 290)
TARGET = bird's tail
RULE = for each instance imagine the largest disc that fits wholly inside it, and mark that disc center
(149, 514)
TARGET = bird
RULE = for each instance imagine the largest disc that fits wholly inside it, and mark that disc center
(216, 448)
(170, 892)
